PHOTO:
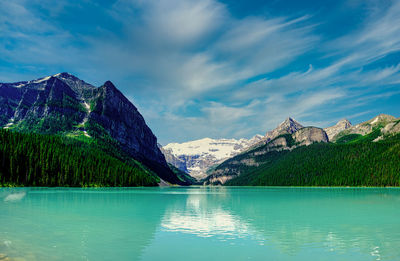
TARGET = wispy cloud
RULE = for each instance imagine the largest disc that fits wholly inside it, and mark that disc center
(195, 69)
(197, 46)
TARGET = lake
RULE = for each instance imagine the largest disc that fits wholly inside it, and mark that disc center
(200, 223)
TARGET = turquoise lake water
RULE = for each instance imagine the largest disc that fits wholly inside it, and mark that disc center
(200, 223)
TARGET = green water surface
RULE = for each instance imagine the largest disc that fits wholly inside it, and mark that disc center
(200, 223)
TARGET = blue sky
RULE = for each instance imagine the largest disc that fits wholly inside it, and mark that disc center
(220, 69)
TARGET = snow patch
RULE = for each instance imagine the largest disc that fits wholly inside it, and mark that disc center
(378, 139)
(196, 168)
(87, 106)
(8, 125)
(375, 120)
(42, 79)
(88, 111)
(86, 134)
(20, 85)
(218, 148)
(199, 155)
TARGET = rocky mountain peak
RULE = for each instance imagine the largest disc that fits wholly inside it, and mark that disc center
(344, 122)
(387, 122)
(63, 104)
(82, 88)
(337, 128)
(289, 122)
(66, 75)
(109, 84)
(289, 126)
(381, 118)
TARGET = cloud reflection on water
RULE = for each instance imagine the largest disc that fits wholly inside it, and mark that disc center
(14, 197)
(345, 222)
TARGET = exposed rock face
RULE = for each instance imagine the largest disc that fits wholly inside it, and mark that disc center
(289, 126)
(170, 158)
(64, 104)
(382, 120)
(391, 128)
(337, 128)
(115, 113)
(310, 135)
(46, 105)
(231, 168)
(199, 155)
(278, 142)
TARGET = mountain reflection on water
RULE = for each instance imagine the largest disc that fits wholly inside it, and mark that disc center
(338, 220)
(200, 223)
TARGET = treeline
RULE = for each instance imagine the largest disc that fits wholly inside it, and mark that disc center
(49, 160)
(183, 176)
(349, 164)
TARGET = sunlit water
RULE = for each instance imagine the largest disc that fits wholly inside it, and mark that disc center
(200, 224)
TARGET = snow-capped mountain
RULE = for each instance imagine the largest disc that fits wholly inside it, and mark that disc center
(199, 155)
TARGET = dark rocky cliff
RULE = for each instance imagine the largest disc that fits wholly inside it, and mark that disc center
(65, 105)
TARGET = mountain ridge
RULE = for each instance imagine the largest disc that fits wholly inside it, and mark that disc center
(304, 136)
(340, 126)
(195, 157)
(377, 129)
(288, 126)
(63, 104)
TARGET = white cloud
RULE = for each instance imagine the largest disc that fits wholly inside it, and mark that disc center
(185, 57)
(378, 37)
(194, 47)
(220, 114)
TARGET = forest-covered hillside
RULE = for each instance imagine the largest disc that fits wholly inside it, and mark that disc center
(358, 162)
(28, 159)
(64, 105)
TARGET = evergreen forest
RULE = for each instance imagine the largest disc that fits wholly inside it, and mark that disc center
(28, 159)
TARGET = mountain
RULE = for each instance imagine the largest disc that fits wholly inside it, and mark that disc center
(174, 161)
(337, 128)
(185, 177)
(64, 105)
(382, 124)
(289, 126)
(365, 154)
(288, 139)
(196, 157)
(361, 163)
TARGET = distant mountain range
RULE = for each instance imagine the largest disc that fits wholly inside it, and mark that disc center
(287, 136)
(196, 157)
(199, 156)
(66, 106)
(61, 131)
(366, 154)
